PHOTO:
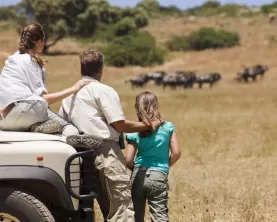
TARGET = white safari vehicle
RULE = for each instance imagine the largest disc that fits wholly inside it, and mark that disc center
(44, 179)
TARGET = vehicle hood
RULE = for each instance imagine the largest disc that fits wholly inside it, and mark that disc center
(9, 136)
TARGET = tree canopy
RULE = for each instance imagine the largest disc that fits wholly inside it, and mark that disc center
(77, 17)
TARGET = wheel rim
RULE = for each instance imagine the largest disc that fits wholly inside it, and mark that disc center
(8, 218)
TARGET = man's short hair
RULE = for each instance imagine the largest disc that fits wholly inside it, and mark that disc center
(92, 62)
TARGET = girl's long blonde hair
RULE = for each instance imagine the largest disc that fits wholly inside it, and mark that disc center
(147, 108)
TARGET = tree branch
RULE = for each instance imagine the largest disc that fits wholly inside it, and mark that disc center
(55, 41)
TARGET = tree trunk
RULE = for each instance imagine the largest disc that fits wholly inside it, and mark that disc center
(48, 45)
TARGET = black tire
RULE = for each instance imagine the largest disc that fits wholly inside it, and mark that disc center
(23, 207)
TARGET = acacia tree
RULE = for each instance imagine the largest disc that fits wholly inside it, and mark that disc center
(49, 13)
(78, 17)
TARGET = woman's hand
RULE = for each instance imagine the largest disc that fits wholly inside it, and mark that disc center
(58, 96)
(80, 84)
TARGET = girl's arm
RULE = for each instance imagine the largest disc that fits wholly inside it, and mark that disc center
(130, 155)
(56, 97)
(174, 149)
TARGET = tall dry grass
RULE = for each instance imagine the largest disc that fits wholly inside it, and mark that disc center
(227, 134)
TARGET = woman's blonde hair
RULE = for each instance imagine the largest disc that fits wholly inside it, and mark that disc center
(147, 108)
(29, 37)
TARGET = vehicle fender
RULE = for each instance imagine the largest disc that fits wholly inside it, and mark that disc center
(41, 182)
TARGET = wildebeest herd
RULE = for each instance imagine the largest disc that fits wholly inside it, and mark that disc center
(187, 79)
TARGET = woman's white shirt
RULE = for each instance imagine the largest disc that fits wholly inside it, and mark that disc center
(21, 79)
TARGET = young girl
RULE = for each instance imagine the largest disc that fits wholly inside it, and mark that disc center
(150, 170)
(24, 99)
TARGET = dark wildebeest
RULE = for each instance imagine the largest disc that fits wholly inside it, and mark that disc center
(260, 69)
(179, 78)
(252, 73)
(138, 81)
(174, 79)
(244, 75)
(271, 17)
(190, 79)
(211, 79)
(171, 80)
(157, 77)
(186, 78)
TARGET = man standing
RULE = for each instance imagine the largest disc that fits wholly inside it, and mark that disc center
(96, 111)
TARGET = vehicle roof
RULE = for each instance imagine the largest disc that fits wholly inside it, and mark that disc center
(9, 136)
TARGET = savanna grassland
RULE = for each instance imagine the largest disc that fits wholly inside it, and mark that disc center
(227, 134)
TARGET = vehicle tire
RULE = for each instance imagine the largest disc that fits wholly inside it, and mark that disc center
(16, 206)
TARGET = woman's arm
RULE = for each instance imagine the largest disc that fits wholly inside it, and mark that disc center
(58, 96)
(130, 155)
(174, 149)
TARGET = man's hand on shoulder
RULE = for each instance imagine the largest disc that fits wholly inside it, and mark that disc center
(127, 126)
(156, 123)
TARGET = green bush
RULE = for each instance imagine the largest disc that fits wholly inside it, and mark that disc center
(211, 4)
(170, 11)
(127, 12)
(234, 9)
(149, 5)
(110, 14)
(205, 38)
(125, 26)
(212, 8)
(269, 7)
(178, 43)
(7, 13)
(139, 50)
(210, 38)
(141, 18)
(104, 33)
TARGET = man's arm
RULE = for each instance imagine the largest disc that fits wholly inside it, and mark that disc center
(127, 126)
(109, 103)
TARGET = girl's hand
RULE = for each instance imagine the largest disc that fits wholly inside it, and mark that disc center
(80, 84)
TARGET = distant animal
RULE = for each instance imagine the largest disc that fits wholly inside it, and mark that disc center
(138, 81)
(271, 18)
(260, 69)
(251, 73)
(190, 79)
(244, 75)
(157, 76)
(184, 79)
(171, 80)
(210, 79)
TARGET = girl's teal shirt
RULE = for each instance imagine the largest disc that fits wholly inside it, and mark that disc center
(153, 151)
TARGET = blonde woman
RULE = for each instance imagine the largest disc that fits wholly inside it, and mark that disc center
(151, 167)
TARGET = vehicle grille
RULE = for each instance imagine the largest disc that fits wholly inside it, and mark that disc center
(80, 175)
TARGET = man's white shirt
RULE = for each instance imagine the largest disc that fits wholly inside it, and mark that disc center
(93, 109)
